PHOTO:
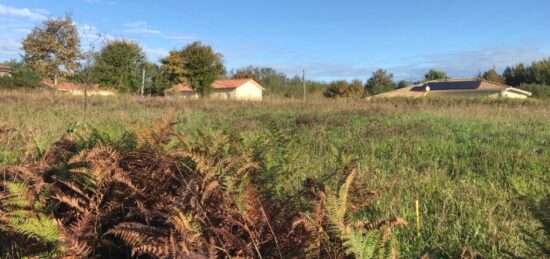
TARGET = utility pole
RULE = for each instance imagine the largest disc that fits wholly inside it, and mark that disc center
(142, 81)
(304, 82)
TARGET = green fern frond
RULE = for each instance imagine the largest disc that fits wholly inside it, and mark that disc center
(39, 227)
(16, 195)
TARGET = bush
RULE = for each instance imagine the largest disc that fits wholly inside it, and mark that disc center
(22, 76)
(538, 91)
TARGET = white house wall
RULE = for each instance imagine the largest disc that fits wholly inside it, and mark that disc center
(249, 91)
(513, 95)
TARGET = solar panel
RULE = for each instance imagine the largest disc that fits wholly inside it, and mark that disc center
(450, 85)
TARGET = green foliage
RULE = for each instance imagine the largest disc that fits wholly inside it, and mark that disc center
(538, 91)
(22, 217)
(492, 75)
(360, 243)
(22, 76)
(155, 81)
(534, 78)
(344, 89)
(53, 48)
(434, 74)
(469, 162)
(403, 83)
(119, 66)
(196, 64)
(279, 84)
(381, 81)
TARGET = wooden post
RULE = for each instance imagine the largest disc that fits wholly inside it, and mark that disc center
(304, 83)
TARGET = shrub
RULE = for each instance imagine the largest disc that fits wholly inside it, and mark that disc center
(21, 76)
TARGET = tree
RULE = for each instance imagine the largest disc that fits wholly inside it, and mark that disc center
(539, 72)
(342, 88)
(515, 75)
(119, 65)
(434, 74)
(249, 72)
(380, 81)
(155, 81)
(197, 64)
(403, 84)
(492, 75)
(52, 49)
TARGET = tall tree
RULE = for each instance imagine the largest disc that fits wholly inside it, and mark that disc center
(492, 75)
(515, 75)
(249, 72)
(155, 81)
(197, 64)
(434, 74)
(53, 48)
(118, 65)
(380, 81)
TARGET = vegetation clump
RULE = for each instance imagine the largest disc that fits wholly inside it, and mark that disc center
(157, 194)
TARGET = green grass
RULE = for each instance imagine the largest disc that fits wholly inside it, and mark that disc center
(479, 168)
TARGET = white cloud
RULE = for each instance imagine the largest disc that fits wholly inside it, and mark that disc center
(469, 63)
(144, 28)
(180, 37)
(33, 15)
(156, 54)
(140, 28)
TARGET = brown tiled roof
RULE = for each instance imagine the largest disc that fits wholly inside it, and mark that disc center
(218, 84)
(183, 87)
(68, 86)
(5, 68)
(229, 84)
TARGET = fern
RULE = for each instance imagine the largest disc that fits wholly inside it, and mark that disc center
(16, 195)
(22, 216)
(39, 227)
(358, 240)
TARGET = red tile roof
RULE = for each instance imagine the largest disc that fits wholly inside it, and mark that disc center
(183, 87)
(5, 68)
(229, 84)
(68, 86)
(218, 84)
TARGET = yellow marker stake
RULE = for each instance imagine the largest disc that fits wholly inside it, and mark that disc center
(417, 218)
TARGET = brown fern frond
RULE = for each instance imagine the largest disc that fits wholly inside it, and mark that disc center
(74, 203)
(247, 168)
(208, 190)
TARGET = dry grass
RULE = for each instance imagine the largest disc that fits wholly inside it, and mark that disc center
(479, 167)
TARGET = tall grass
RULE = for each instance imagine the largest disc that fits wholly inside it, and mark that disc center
(479, 168)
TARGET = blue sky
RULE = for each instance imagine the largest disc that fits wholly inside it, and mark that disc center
(330, 39)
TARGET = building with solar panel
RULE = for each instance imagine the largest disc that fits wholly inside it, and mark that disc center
(465, 87)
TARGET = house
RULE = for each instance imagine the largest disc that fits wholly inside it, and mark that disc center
(79, 89)
(466, 87)
(5, 71)
(233, 89)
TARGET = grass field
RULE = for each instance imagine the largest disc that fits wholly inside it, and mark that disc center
(479, 169)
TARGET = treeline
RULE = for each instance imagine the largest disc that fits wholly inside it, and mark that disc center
(381, 81)
(52, 51)
(534, 78)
